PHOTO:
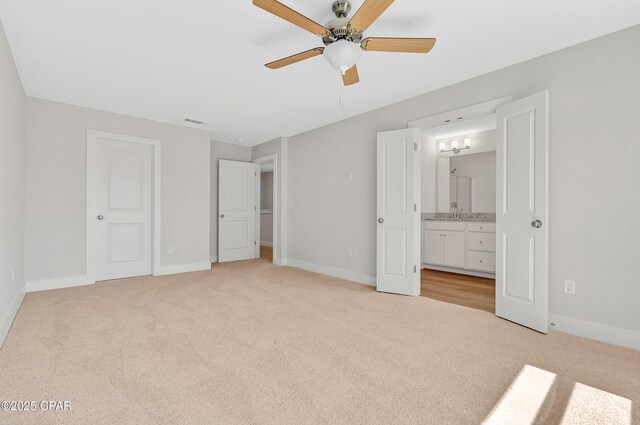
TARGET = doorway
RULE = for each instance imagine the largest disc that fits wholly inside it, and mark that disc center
(268, 207)
(458, 187)
(266, 211)
(123, 206)
(519, 251)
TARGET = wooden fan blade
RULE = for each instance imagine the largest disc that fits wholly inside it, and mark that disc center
(295, 58)
(406, 45)
(368, 13)
(351, 76)
(288, 14)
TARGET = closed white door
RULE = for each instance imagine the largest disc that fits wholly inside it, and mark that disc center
(453, 249)
(238, 223)
(433, 249)
(398, 190)
(522, 211)
(122, 192)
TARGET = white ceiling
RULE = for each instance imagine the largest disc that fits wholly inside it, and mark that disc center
(203, 59)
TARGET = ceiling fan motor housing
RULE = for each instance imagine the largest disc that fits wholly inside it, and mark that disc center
(339, 30)
(339, 27)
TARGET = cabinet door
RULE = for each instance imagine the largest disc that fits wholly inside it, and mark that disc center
(432, 244)
(454, 249)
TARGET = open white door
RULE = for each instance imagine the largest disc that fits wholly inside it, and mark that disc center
(238, 191)
(522, 275)
(398, 236)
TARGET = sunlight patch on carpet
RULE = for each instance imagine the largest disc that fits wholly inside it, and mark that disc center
(592, 406)
(521, 403)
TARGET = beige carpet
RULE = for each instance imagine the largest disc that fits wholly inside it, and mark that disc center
(252, 343)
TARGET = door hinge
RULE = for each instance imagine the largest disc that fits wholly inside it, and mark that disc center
(415, 269)
(415, 147)
(255, 173)
(254, 242)
(415, 207)
(255, 208)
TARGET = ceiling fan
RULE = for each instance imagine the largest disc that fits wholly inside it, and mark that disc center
(343, 36)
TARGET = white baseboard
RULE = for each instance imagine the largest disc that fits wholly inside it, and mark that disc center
(214, 258)
(7, 318)
(57, 283)
(332, 271)
(606, 333)
(266, 243)
(183, 268)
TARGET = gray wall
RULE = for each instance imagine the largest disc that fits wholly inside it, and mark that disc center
(266, 190)
(12, 116)
(594, 191)
(266, 203)
(56, 139)
(221, 150)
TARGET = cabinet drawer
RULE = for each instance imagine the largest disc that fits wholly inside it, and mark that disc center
(482, 227)
(482, 241)
(484, 261)
(444, 225)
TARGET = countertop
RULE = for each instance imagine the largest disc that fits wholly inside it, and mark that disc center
(474, 217)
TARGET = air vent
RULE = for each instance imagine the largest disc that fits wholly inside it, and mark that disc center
(192, 121)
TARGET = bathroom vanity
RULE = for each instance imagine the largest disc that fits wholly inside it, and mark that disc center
(459, 246)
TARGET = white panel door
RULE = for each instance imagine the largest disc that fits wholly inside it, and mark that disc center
(522, 211)
(398, 235)
(238, 192)
(123, 204)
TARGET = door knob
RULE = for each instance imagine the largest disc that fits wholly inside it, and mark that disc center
(221, 215)
(100, 217)
(381, 220)
(536, 223)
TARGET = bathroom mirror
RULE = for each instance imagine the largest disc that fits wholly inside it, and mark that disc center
(467, 183)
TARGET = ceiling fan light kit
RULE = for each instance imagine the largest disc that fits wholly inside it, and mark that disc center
(342, 55)
(343, 36)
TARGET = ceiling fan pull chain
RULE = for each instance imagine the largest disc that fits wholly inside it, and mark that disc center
(341, 100)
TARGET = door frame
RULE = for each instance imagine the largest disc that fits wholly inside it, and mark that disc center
(450, 117)
(276, 209)
(472, 111)
(93, 137)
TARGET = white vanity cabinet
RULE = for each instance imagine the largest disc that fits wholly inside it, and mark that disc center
(443, 243)
(464, 246)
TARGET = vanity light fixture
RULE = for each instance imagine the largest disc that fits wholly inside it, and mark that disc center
(454, 146)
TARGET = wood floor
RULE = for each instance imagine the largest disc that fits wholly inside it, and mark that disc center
(469, 291)
(266, 252)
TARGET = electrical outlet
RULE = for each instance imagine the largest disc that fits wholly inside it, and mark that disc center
(170, 249)
(330, 179)
(13, 275)
(351, 176)
(349, 253)
(570, 287)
